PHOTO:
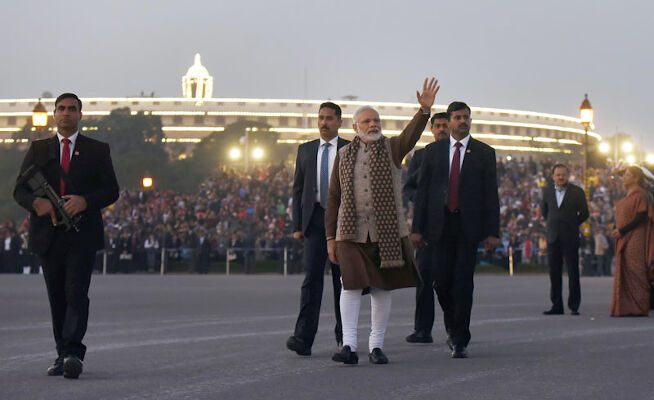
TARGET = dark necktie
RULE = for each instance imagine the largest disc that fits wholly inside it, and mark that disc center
(324, 175)
(65, 165)
(453, 186)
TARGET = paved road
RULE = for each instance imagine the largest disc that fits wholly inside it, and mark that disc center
(217, 337)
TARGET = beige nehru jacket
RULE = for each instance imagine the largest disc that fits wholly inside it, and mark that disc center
(398, 148)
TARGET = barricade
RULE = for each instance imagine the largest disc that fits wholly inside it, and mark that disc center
(193, 260)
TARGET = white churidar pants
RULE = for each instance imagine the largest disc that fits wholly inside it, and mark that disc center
(380, 305)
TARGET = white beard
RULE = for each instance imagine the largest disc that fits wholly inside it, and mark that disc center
(368, 138)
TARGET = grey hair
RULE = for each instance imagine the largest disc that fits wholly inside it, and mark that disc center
(361, 109)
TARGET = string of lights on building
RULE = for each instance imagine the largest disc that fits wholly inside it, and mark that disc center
(197, 114)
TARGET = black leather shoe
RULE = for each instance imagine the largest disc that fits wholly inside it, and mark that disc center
(72, 367)
(449, 343)
(553, 312)
(57, 369)
(346, 356)
(419, 337)
(298, 346)
(574, 312)
(377, 356)
(459, 351)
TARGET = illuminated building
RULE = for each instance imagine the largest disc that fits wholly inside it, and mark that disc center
(190, 118)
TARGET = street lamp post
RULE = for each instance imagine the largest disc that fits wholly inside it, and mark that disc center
(586, 117)
(256, 153)
(627, 150)
(39, 119)
(247, 149)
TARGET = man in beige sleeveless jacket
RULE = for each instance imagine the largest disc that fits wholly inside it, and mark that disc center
(365, 223)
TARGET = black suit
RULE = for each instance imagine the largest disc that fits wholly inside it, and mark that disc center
(203, 259)
(10, 261)
(13, 255)
(309, 218)
(411, 185)
(68, 257)
(455, 236)
(563, 241)
(424, 316)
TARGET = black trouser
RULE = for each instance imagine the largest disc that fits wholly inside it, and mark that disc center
(606, 265)
(454, 261)
(424, 318)
(557, 252)
(315, 260)
(67, 269)
(12, 263)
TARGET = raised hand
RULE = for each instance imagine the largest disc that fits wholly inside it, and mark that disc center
(429, 89)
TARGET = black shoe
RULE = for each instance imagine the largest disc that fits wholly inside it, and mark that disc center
(574, 312)
(346, 356)
(57, 369)
(449, 343)
(419, 337)
(72, 367)
(459, 351)
(377, 356)
(553, 311)
(298, 346)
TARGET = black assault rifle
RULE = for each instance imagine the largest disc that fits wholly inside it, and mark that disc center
(41, 188)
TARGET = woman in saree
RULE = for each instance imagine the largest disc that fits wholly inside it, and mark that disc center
(634, 234)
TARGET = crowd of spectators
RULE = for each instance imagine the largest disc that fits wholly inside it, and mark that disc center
(230, 210)
(246, 217)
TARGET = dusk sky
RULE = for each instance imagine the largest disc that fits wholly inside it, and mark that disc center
(538, 56)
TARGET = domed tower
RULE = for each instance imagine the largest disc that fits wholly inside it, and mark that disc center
(197, 83)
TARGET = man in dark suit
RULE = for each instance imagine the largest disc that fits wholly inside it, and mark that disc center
(424, 317)
(456, 208)
(203, 257)
(438, 127)
(12, 251)
(313, 168)
(80, 169)
(564, 208)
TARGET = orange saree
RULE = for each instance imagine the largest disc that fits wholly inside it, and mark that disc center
(634, 257)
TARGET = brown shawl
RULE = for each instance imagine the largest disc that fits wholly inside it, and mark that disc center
(383, 200)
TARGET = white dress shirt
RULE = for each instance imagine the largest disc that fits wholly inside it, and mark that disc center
(332, 157)
(560, 194)
(464, 146)
(72, 138)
